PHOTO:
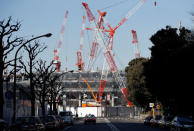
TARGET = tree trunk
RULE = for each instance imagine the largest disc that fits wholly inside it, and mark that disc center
(43, 108)
(32, 91)
(54, 106)
(1, 79)
(1, 91)
(51, 111)
(51, 105)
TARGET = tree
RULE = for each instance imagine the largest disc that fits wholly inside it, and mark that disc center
(55, 91)
(33, 51)
(169, 70)
(41, 82)
(8, 42)
(138, 93)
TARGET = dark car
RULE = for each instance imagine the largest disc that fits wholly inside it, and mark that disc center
(165, 122)
(154, 122)
(180, 123)
(3, 125)
(147, 120)
(50, 122)
(90, 119)
(60, 120)
(31, 123)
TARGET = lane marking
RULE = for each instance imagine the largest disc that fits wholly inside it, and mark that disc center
(112, 127)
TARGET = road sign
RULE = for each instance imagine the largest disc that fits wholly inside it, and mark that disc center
(151, 104)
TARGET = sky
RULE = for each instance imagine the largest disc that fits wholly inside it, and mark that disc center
(46, 16)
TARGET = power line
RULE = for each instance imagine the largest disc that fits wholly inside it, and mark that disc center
(115, 4)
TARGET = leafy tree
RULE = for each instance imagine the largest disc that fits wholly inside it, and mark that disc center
(169, 70)
(138, 93)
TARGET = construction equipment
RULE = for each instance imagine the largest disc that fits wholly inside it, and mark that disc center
(110, 46)
(85, 80)
(95, 27)
(102, 43)
(135, 42)
(112, 30)
(56, 51)
(80, 64)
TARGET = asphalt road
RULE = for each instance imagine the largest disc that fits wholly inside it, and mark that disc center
(111, 125)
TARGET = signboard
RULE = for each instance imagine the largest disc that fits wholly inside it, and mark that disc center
(151, 105)
(108, 97)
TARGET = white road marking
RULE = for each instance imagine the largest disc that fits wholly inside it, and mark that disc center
(112, 127)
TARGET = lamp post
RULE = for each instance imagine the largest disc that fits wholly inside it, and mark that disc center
(15, 65)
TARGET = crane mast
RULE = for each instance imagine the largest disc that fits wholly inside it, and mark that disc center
(95, 44)
(110, 46)
(56, 51)
(135, 42)
(107, 48)
(80, 64)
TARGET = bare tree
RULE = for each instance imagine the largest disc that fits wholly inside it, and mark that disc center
(41, 80)
(8, 43)
(55, 91)
(33, 51)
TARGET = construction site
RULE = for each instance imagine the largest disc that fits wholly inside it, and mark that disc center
(102, 44)
(88, 90)
(104, 87)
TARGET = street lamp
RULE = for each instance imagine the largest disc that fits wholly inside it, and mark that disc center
(15, 65)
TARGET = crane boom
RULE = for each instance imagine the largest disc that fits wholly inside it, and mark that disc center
(89, 13)
(135, 42)
(56, 51)
(62, 32)
(82, 33)
(95, 26)
(85, 80)
(131, 12)
(79, 53)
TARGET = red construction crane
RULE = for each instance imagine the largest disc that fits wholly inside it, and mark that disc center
(95, 27)
(108, 56)
(80, 64)
(135, 42)
(107, 51)
(112, 30)
(56, 51)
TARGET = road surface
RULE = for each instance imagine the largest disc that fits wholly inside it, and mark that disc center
(104, 124)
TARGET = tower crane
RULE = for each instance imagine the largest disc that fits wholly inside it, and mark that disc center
(135, 42)
(56, 51)
(80, 64)
(127, 16)
(107, 49)
(110, 45)
(94, 49)
(107, 53)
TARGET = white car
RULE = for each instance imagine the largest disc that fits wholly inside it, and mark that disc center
(67, 117)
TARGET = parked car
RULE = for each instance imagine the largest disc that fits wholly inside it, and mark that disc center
(165, 122)
(60, 120)
(90, 119)
(147, 120)
(154, 121)
(31, 123)
(50, 122)
(3, 125)
(67, 117)
(180, 123)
